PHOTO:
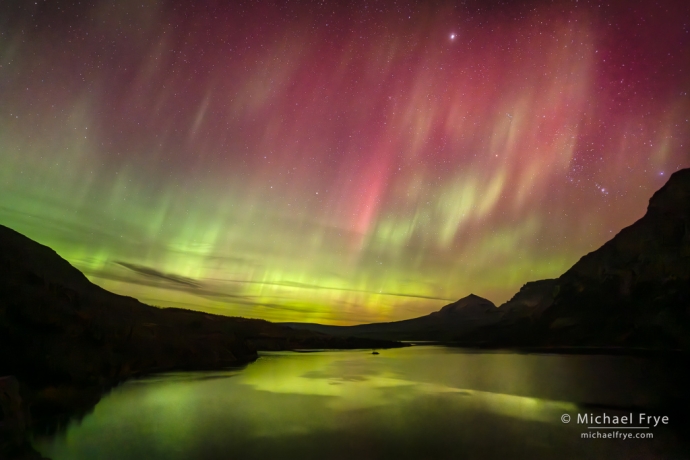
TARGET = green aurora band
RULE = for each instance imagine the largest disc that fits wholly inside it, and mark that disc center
(331, 164)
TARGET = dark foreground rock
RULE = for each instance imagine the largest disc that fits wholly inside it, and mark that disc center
(14, 422)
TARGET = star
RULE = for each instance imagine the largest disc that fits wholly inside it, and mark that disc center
(403, 158)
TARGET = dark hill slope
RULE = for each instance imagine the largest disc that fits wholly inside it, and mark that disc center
(56, 326)
(634, 291)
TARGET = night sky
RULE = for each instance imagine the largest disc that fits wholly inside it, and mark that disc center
(335, 162)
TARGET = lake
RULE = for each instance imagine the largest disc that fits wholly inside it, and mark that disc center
(424, 402)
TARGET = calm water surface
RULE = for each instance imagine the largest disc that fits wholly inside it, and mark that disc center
(414, 403)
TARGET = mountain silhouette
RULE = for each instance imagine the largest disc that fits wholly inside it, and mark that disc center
(461, 316)
(633, 292)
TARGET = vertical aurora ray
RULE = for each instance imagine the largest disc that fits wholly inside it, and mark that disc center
(339, 164)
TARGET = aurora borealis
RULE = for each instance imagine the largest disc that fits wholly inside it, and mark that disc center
(335, 162)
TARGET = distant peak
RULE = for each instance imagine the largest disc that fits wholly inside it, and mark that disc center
(473, 298)
(471, 302)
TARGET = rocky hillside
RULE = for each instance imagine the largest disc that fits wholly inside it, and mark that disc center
(632, 292)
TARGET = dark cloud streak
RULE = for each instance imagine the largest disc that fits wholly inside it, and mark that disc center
(152, 272)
